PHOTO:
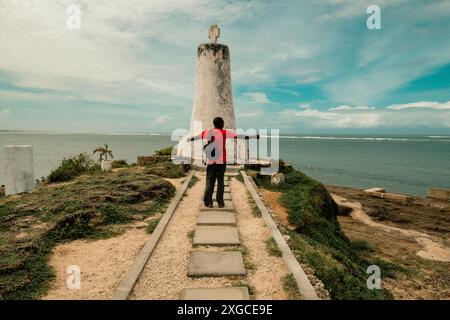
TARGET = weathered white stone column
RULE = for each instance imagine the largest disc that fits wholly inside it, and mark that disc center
(213, 95)
(19, 171)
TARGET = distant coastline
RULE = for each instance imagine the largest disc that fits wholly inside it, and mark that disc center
(398, 163)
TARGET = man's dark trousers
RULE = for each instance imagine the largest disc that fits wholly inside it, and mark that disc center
(214, 172)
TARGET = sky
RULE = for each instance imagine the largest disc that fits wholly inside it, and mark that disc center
(299, 66)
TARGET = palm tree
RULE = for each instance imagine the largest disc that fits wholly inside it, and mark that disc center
(104, 151)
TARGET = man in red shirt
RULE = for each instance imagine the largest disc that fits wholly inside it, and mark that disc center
(216, 155)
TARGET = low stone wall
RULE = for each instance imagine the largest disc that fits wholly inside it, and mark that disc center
(439, 193)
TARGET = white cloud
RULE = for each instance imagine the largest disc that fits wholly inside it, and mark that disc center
(368, 117)
(304, 106)
(259, 97)
(340, 108)
(422, 104)
(162, 119)
(364, 108)
(346, 108)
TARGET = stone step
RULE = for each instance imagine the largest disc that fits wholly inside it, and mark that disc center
(228, 207)
(232, 293)
(216, 218)
(231, 173)
(234, 168)
(216, 264)
(216, 236)
(226, 196)
(226, 183)
(226, 189)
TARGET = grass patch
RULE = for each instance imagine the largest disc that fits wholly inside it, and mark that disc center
(290, 287)
(193, 181)
(191, 235)
(119, 164)
(272, 247)
(164, 151)
(318, 239)
(92, 207)
(239, 177)
(152, 225)
(248, 264)
(166, 170)
(255, 210)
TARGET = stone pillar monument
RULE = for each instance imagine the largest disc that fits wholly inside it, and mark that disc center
(213, 98)
(213, 95)
(19, 172)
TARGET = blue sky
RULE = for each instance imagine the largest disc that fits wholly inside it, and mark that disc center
(301, 66)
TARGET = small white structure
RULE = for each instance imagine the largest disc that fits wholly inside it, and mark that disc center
(106, 165)
(19, 172)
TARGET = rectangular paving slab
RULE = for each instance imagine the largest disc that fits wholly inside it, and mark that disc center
(226, 196)
(216, 218)
(216, 264)
(216, 236)
(228, 207)
(232, 293)
(225, 183)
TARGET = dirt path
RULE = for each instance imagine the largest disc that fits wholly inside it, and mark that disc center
(165, 275)
(431, 248)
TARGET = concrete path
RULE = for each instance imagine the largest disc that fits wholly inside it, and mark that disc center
(216, 227)
(216, 218)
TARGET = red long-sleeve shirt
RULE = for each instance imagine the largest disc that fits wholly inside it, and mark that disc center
(218, 136)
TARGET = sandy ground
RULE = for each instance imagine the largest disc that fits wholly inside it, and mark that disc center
(272, 198)
(165, 275)
(266, 279)
(102, 264)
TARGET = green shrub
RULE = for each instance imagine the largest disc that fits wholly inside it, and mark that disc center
(73, 167)
(164, 152)
(318, 239)
(166, 170)
(119, 164)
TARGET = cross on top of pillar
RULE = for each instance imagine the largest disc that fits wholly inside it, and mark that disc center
(214, 33)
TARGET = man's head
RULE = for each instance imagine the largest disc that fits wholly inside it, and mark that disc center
(218, 123)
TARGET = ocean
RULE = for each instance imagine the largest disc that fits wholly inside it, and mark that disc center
(404, 164)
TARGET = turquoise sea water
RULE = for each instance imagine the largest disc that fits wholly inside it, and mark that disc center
(404, 164)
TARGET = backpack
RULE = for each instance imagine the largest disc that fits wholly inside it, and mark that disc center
(210, 147)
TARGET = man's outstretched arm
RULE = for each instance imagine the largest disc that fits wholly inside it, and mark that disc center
(232, 135)
(197, 137)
